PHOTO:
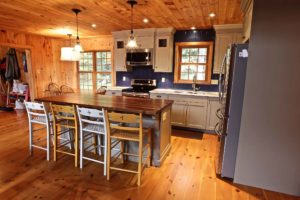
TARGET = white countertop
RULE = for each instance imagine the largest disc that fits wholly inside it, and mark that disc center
(118, 88)
(185, 92)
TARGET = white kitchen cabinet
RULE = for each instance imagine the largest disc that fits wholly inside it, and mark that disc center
(196, 115)
(247, 8)
(120, 55)
(178, 116)
(164, 50)
(225, 35)
(212, 119)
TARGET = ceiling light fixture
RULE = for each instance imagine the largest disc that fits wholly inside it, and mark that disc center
(131, 43)
(69, 53)
(94, 25)
(77, 46)
(212, 15)
(145, 20)
(193, 28)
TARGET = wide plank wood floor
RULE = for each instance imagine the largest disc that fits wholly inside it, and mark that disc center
(187, 173)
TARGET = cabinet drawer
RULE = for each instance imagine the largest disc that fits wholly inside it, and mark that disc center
(177, 99)
(198, 102)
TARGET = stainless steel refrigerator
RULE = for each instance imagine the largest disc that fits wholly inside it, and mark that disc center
(231, 94)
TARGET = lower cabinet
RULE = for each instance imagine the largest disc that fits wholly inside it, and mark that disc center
(192, 112)
(212, 119)
(196, 116)
(179, 112)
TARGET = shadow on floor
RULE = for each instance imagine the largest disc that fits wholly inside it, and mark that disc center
(177, 132)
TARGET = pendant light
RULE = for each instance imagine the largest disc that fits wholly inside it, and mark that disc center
(77, 46)
(131, 43)
(67, 52)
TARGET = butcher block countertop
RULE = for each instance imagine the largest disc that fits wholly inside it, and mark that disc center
(112, 103)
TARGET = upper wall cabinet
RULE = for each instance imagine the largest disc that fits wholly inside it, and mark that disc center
(225, 35)
(247, 8)
(144, 37)
(164, 38)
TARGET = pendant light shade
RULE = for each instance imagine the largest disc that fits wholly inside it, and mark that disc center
(77, 47)
(69, 53)
(131, 43)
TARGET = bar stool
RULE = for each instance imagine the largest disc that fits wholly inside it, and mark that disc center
(65, 121)
(92, 125)
(38, 113)
(127, 127)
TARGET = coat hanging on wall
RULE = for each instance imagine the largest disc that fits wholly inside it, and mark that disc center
(12, 65)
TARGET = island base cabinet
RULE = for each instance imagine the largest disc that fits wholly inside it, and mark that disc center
(196, 116)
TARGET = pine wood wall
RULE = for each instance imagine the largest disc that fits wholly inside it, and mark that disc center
(45, 57)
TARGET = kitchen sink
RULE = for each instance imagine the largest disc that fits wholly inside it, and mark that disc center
(178, 91)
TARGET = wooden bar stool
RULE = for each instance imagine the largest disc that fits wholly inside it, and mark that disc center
(92, 125)
(65, 122)
(38, 113)
(127, 127)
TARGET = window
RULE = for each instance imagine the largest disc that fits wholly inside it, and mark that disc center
(193, 59)
(95, 70)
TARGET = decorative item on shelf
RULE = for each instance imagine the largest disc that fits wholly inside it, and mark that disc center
(69, 53)
(77, 47)
(131, 43)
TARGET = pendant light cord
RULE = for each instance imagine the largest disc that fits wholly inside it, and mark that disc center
(131, 18)
(77, 25)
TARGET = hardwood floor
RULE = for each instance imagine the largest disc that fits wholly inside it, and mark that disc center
(187, 173)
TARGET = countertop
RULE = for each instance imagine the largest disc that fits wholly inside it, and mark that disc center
(185, 92)
(112, 103)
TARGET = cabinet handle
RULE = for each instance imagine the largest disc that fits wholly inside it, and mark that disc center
(158, 96)
(113, 93)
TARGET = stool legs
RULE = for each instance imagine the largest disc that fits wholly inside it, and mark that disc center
(76, 147)
(30, 139)
(108, 158)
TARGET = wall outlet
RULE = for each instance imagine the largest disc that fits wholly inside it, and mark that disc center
(124, 78)
(214, 82)
(163, 79)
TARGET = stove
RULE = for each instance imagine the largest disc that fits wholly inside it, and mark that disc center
(140, 88)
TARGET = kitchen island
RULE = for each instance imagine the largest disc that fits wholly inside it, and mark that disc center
(156, 115)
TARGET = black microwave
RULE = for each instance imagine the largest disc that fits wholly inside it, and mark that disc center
(139, 57)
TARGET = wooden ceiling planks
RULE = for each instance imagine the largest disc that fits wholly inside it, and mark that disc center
(55, 18)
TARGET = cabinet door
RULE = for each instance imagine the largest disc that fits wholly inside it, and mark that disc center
(178, 114)
(163, 54)
(196, 116)
(222, 43)
(212, 119)
(120, 55)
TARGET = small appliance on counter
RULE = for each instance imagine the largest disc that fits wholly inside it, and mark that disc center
(140, 88)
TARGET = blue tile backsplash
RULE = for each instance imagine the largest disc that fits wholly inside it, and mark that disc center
(147, 72)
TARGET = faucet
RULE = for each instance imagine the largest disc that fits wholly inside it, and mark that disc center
(194, 84)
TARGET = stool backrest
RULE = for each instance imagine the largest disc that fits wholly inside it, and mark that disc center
(63, 112)
(123, 121)
(91, 116)
(35, 109)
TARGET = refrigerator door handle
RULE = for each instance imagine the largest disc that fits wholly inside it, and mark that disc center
(220, 79)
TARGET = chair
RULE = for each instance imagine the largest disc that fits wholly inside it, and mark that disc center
(127, 127)
(38, 113)
(64, 89)
(65, 121)
(92, 126)
(53, 89)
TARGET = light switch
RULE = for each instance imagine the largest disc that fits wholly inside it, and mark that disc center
(124, 78)
(163, 79)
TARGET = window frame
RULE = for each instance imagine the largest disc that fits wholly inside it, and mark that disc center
(94, 72)
(178, 56)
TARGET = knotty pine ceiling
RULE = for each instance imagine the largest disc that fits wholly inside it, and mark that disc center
(55, 18)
